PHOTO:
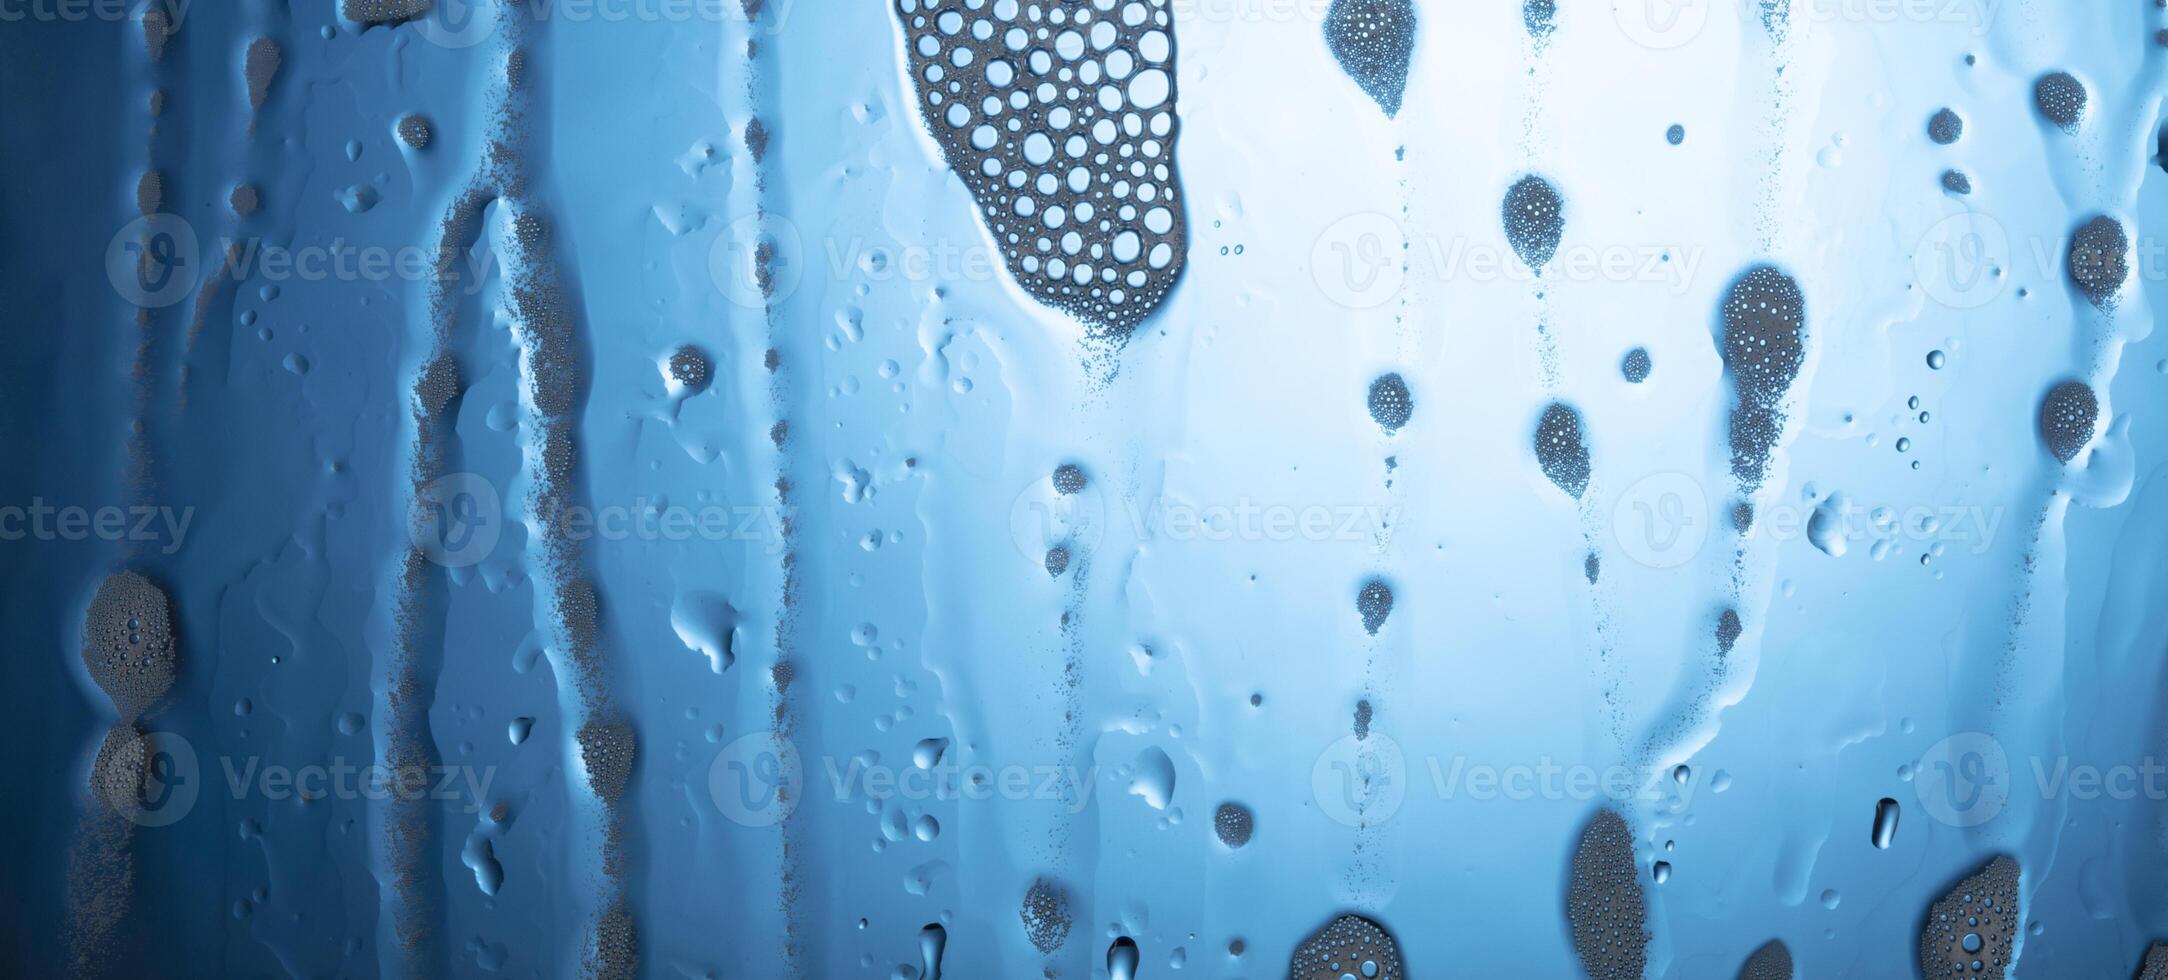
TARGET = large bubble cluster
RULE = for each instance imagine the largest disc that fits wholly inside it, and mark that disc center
(128, 643)
(1059, 116)
(1764, 326)
(1972, 930)
(1390, 404)
(2155, 965)
(1561, 450)
(1374, 602)
(384, 11)
(2061, 99)
(1534, 218)
(1773, 961)
(1234, 824)
(1045, 915)
(1604, 904)
(1373, 40)
(2099, 259)
(2069, 415)
(1349, 946)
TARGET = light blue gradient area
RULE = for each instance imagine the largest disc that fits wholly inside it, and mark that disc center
(1986, 643)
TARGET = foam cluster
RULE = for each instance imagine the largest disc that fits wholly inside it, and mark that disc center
(1764, 343)
(1604, 903)
(1773, 961)
(1390, 404)
(1971, 931)
(1059, 117)
(607, 751)
(1234, 824)
(1348, 946)
(1561, 450)
(128, 643)
(1373, 41)
(2068, 418)
(1045, 914)
(1375, 603)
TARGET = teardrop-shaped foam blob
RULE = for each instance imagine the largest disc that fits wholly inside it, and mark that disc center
(2068, 418)
(1764, 327)
(1062, 124)
(1373, 40)
(1971, 930)
(1604, 905)
(1561, 449)
(1534, 218)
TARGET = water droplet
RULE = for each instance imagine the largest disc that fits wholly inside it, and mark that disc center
(1152, 777)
